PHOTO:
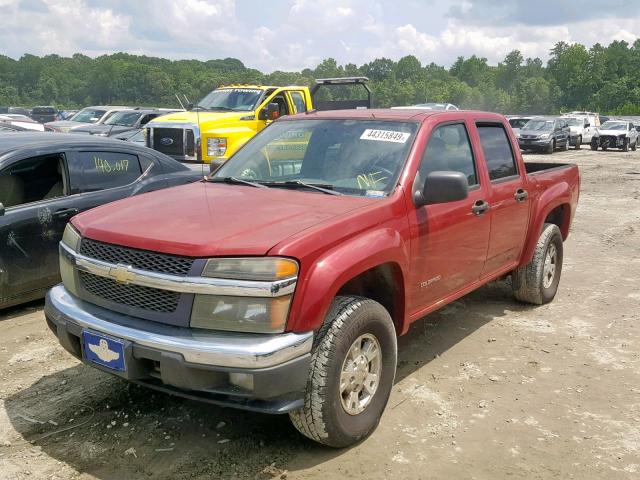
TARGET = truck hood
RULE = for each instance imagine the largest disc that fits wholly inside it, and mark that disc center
(65, 125)
(575, 129)
(101, 128)
(204, 119)
(206, 220)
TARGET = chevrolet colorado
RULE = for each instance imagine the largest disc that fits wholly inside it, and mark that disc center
(280, 283)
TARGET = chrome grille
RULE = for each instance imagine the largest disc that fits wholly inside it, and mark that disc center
(151, 261)
(134, 296)
(169, 141)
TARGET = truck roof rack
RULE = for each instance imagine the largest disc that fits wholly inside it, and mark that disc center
(341, 104)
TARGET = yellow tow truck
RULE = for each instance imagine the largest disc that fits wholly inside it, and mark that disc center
(224, 120)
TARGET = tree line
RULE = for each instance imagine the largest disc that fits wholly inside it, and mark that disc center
(600, 78)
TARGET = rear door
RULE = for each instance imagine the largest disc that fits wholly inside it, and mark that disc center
(450, 240)
(508, 198)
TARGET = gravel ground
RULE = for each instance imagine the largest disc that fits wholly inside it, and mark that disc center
(486, 388)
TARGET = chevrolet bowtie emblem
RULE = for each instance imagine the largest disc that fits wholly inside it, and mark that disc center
(122, 274)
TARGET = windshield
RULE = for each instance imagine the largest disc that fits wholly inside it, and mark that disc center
(125, 119)
(353, 157)
(231, 99)
(518, 122)
(613, 126)
(575, 122)
(541, 125)
(87, 115)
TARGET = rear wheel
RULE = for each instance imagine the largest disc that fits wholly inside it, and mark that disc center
(578, 143)
(537, 282)
(353, 366)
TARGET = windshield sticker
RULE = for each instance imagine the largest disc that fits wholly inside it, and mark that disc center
(375, 193)
(370, 179)
(384, 136)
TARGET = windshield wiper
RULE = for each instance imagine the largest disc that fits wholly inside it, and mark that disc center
(224, 109)
(233, 180)
(328, 189)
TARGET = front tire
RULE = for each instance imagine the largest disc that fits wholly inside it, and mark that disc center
(594, 144)
(550, 148)
(578, 145)
(634, 146)
(625, 145)
(352, 370)
(537, 282)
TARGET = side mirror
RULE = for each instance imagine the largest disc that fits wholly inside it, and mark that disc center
(442, 187)
(1, 209)
(270, 112)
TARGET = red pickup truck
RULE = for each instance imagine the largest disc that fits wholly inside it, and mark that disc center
(280, 283)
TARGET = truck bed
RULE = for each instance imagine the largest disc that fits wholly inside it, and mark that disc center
(539, 167)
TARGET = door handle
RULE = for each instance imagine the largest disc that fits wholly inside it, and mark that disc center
(480, 207)
(66, 212)
(521, 195)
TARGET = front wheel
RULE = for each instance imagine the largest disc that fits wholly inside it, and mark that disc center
(352, 369)
(551, 147)
(537, 282)
(634, 146)
(578, 143)
(594, 144)
(625, 145)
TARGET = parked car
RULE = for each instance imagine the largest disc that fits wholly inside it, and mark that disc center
(517, 122)
(45, 179)
(44, 114)
(123, 121)
(579, 131)
(429, 106)
(23, 121)
(615, 134)
(16, 110)
(89, 115)
(10, 127)
(65, 114)
(281, 283)
(545, 135)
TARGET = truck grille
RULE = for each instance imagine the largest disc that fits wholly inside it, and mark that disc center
(175, 142)
(134, 296)
(153, 262)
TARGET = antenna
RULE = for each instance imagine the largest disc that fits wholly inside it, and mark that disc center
(178, 98)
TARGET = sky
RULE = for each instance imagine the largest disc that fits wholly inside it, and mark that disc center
(295, 34)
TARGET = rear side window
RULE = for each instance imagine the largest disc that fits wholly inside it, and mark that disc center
(91, 170)
(298, 101)
(449, 149)
(497, 151)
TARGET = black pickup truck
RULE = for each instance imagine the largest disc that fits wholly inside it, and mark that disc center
(45, 179)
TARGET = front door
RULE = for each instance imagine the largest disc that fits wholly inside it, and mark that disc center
(37, 209)
(450, 239)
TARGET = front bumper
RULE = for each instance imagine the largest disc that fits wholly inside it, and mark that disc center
(533, 144)
(188, 362)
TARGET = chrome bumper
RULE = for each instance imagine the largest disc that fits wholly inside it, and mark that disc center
(220, 349)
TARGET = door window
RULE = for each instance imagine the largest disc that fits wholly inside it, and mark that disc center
(449, 149)
(91, 170)
(283, 107)
(32, 180)
(497, 151)
(298, 101)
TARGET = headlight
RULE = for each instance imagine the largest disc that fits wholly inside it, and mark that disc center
(240, 314)
(216, 147)
(245, 314)
(71, 238)
(544, 136)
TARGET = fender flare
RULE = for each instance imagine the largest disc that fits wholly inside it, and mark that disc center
(335, 267)
(557, 195)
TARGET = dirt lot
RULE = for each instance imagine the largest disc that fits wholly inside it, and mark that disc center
(487, 388)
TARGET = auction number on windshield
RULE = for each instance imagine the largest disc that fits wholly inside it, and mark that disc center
(116, 166)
